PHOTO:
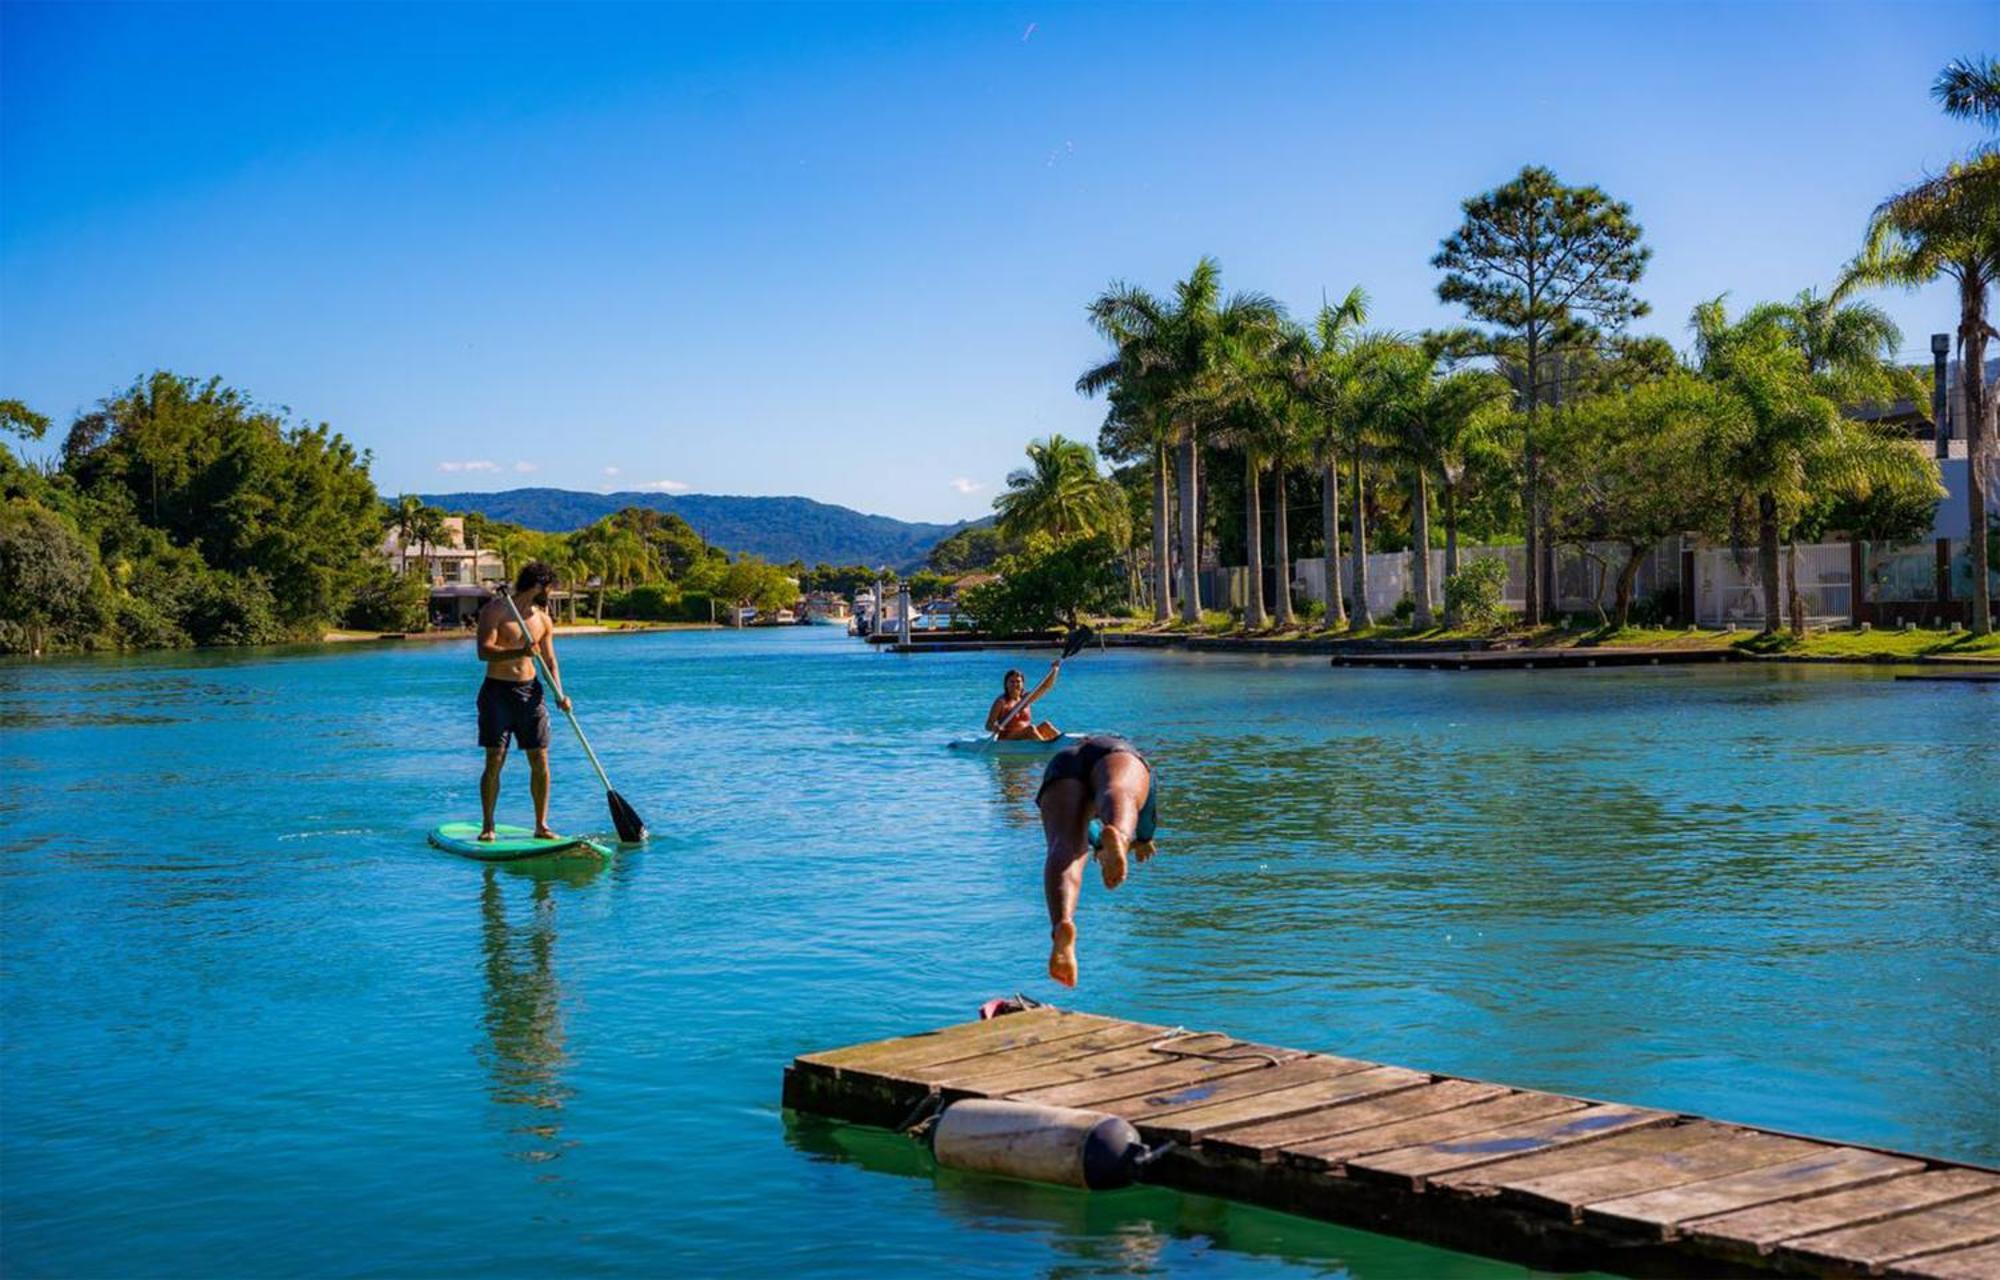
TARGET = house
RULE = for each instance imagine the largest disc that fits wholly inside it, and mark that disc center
(461, 577)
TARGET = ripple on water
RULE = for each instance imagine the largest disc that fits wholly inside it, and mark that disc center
(248, 1013)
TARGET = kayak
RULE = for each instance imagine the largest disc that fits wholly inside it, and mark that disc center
(1014, 746)
(508, 843)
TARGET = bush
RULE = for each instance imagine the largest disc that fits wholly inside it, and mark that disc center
(1472, 595)
(226, 608)
(388, 601)
(1312, 610)
(1046, 585)
(1405, 609)
(649, 602)
(1656, 609)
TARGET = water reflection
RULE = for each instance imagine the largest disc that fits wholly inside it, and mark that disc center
(1138, 1231)
(525, 1053)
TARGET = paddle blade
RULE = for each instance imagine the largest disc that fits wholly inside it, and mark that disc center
(1078, 637)
(631, 827)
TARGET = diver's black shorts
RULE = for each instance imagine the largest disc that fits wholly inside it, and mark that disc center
(513, 707)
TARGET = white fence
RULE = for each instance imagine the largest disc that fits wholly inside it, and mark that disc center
(1584, 578)
(1896, 581)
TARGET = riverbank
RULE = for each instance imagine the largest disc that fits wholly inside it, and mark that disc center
(1843, 644)
(567, 629)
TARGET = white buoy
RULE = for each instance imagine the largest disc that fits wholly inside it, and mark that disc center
(1041, 1144)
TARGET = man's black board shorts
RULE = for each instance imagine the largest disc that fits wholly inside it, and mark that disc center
(513, 707)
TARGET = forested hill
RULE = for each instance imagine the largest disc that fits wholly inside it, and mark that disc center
(779, 529)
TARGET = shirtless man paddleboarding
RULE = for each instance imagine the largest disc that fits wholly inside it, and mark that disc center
(510, 701)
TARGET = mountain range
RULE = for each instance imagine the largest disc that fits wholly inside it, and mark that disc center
(778, 529)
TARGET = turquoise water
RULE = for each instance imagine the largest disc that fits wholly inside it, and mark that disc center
(252, 1025)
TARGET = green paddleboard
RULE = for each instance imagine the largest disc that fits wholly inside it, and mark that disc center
(508, 843)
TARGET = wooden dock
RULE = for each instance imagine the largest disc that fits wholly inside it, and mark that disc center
(1537, 659)
(1536, 1178)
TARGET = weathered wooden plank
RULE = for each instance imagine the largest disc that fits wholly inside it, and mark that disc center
(1477, 1118)
(1958, 1224)
(1263, 1141)
(880, 1050)
(1010, 1082)
(1825, 1169)
(1764, 1226)
(1736, 1151)
(1193, 1124)
(1179, 1073)
(1488, 1179)
(1013, 1031)
(1415, 1163)
(1310, 1069)
(1981, 1262)
(970, 1073)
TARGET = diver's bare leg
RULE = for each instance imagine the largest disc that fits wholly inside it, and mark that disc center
(1065, 821)
(1122, 779)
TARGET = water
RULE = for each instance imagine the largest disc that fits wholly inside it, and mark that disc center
(252, 1025)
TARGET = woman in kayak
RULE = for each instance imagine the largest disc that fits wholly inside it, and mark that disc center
(1096, 795)
(1008, 717)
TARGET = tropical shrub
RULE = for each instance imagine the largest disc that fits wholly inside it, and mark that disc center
(1472, 595)
(1405, 609)
(387, 601)
(1048, 584)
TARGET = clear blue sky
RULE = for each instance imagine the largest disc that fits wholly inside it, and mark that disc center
(843, 250)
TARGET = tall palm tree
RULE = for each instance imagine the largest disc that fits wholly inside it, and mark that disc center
(1323, 373)
(1059, 493)
(1951, 228)
(1135, 427)
(407, 507)
(1180, 348)
(1785, 440)
(1849, 351)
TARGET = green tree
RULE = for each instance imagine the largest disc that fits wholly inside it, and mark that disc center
(1779, 439)
(1950, 228)
(1550, 268)
(17, 419)
(1047, 583)
(1630, 468)
(1171, 357)
(1323, 371)
(48, 581)
(1427, 417)
(1059, 493)
(971, 548)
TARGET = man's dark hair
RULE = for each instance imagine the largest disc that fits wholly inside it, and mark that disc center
(534, 574)
(1014, 674)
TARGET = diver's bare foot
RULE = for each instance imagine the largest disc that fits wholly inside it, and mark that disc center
(1111, 857)
(1062, 954)
(544, 833)
(1143, 851)
(486, 835)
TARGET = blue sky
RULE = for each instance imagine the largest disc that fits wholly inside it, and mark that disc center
(844, 250)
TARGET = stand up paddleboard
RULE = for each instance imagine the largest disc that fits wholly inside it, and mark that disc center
(1015, 746)
(508, 844)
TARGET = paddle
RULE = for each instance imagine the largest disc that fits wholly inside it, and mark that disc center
(1079, 636)
(631, 827)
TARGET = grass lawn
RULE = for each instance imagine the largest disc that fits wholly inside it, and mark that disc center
(1845, 642)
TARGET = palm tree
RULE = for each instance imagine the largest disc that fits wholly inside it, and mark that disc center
(1969, 89)
(1849, 350)
(1136, 424)
(407, 507)
(1951, 228)
(1177, 350)
(1785, 440)
(1059, 493)
(1324, 378)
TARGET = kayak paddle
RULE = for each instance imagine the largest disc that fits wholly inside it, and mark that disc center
(631, 827)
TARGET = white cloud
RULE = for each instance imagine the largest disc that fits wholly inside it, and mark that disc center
(480, 464)
(966, 486)
(665, 486)
(611, 471)
(525, 467)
